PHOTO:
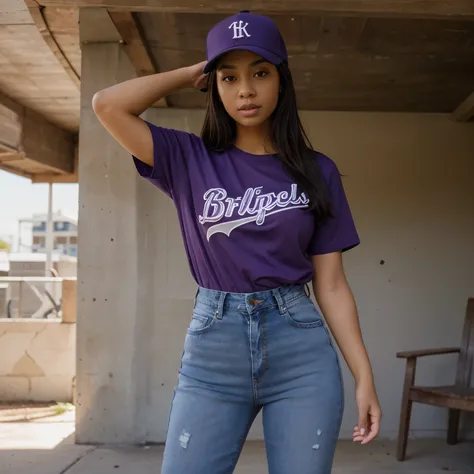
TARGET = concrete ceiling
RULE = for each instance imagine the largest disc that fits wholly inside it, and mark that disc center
(343, 63)
(30, 72)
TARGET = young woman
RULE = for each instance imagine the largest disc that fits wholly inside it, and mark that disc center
(262, 214)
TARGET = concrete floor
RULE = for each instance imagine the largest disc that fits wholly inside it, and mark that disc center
(47, 447)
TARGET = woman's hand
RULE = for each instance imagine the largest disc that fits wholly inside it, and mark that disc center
(370, 413)
(197, 78)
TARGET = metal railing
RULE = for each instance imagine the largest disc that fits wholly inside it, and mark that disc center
(37, 297)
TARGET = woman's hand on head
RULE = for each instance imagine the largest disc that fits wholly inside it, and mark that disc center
(197, 78)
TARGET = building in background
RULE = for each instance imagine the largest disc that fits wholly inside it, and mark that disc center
(64, 233)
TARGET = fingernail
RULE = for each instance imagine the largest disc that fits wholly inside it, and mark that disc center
(362, 431)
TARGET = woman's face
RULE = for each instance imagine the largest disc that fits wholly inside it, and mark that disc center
(248, 86)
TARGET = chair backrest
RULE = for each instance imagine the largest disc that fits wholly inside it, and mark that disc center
(466, 357)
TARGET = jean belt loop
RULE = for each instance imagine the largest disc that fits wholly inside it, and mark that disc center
(307, 290)
(220, 307)
(279, 299)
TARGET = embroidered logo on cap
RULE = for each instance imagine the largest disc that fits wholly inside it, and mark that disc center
(239, 29)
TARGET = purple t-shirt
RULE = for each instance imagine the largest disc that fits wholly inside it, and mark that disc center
(245, 223)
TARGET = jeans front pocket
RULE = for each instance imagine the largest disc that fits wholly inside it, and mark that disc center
(302, 313)
(203, 319)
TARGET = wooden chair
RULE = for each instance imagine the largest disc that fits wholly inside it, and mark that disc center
(458, 397)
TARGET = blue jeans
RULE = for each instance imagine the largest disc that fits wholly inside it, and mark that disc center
(244, 353)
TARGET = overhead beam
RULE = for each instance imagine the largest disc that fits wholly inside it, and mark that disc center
(46, 143)
(11, 104)
(465, 111)
(54, 178)
(10, 130)
(133, 42)
(60, 178)
(134, 45)
(39, 140)
(456, 9)
(37, 14)
(99, 26)
(6, 156)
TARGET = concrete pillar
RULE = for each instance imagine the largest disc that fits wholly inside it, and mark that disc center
(107, 263)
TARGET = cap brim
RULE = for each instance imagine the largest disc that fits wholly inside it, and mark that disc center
(265, 54)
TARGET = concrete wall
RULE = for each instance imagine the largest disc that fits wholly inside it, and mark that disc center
(408, 181)
(37, 360)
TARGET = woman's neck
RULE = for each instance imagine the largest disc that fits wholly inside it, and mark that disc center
(254, 140)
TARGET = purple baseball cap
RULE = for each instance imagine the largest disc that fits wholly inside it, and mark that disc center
(248, 31)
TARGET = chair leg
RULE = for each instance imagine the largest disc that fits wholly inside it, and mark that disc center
(453, 426)
(403, 430)
(405, 412)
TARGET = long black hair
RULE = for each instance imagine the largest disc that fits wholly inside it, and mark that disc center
(287, 134)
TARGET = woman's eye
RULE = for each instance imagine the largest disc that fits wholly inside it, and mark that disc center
(261, 73)
(228, 78)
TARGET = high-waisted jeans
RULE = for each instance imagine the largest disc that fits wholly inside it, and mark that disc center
(243, 353)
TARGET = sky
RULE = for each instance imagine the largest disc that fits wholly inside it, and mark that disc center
(20, 198)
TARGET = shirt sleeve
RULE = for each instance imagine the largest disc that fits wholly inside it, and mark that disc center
(337, 233)
(171, 151)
